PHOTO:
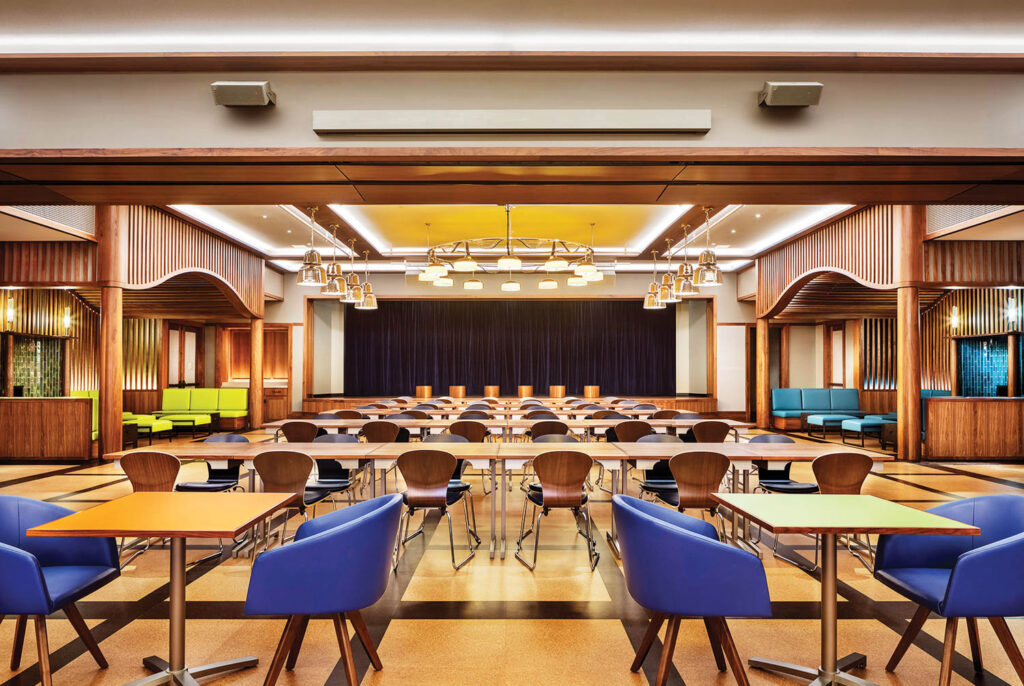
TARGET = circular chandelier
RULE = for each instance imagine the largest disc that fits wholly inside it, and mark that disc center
(505, 254)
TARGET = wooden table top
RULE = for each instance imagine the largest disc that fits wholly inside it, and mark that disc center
(838, 514)
(501, 423)
(788, 452)
(602, 423)
(497, 412)
(168, 515)
(358, 423)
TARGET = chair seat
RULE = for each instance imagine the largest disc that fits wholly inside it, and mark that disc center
(536, 496)
(332, 485)
(788, 486)
(68, 584)
(656, 486)
(314, 495)
(925, 586)
(456, 489)
(787, 413)
(205, 486)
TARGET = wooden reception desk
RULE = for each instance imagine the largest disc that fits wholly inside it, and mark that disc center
(974, 429)
(46, 428)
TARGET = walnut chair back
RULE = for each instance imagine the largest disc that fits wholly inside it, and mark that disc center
(697, 476)
(151, 471)
(548, 426)
(841, 473)
(472, 431)
(711, 431)
(299, 431)
(426, 474)
(284, 471)
(562, 474)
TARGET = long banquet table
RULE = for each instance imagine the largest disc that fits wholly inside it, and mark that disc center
(497, 458)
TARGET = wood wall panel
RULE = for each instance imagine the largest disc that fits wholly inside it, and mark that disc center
(858, 245)
(276, 353)
(879, 346)
(878, 402)
(161, 245)
(53, 428)
(974, 429)
(141, 354)
(142, 402)
(980, 263)
(47, 263)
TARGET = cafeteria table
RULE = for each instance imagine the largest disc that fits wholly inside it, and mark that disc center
(177, 516)
(829, 516)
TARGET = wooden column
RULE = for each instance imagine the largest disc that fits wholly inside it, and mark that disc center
(784, 356)
(908, 267)
(763, 379)
(8, 365)
(256, 372)
(1013, 383)
(112, 251)
(954, 367)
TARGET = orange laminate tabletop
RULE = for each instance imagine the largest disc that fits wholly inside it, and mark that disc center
(168, 515)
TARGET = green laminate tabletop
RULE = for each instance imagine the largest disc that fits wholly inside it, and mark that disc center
(838, 514)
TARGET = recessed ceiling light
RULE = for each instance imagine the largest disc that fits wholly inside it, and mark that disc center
(733, 231)
(289, 230)
(264, 216)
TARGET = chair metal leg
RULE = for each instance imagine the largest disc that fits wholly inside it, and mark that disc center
(75, 617)
(19, 641)
(916, 622)
(592, 553)
(1009, 645)
(668, 647)
(467, 503)
(657, 619)
(536, 540)
(948, 652)
(451, 541)
(43, 646)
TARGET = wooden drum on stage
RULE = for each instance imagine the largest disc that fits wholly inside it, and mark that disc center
(492, 391)
(525, 391)
(591, 391)
(457, 391)
(424, 392)
(556, 391)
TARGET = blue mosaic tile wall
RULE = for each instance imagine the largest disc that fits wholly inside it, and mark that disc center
(983, 366)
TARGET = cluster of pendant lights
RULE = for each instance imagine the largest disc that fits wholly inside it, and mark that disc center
(438, 272)
(332, 279)
(687, 278)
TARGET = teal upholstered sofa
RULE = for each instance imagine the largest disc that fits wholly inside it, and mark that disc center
(791, 406)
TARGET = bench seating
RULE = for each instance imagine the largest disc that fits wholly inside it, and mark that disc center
(870, 425)
(227, 407)
(150, 426)
(792, 406)
(826, 422)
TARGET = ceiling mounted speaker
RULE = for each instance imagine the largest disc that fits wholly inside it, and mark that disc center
(243, 93)
(790, 93)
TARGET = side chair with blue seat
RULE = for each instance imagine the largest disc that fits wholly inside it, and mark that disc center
(331, 475)
(675, 566)
(961, 576)
(658, 479)
(43, 575)
(337, 565)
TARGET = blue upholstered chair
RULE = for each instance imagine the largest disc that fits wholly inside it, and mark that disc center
(43, 575)
(676, 567)
(337, 565)
(961, 576)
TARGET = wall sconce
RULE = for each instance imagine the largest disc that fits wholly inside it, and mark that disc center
(10, 309)
(954, 317)
(1011, 310)
(67, 320)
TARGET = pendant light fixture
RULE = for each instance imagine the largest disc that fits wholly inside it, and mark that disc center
(369, 300)
(548, 284)
(465, 263)
(510, 286)
(682, 285)
(428, 274)
(312, 272)
(444, 282)
(708, 272)
(555, 263)
(508, 261)
(667, 281)
(336, 284)
(651, 301)
(473, 284)
(576, 281)
(354, 294)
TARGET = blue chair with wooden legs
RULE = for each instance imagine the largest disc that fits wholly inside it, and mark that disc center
(676, 567)
(43, 575)
(961, 576)
(337, 565)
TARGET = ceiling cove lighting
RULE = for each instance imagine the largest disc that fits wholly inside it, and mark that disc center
(302, 217)
(662, 223)
(354, 217)
(312, 272)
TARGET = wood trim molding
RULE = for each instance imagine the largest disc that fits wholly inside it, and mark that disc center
(834, 61)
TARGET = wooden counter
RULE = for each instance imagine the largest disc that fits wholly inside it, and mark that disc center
(974, 428)
(45, 428)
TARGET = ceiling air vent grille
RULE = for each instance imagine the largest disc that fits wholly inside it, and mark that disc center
(79, 217)
(944, 216)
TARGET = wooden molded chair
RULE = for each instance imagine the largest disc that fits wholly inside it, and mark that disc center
(628, 431)
(540, 414)
(548, 426)
(287, 471)
(697, 476)
(710, 431)
(151, 471)
(562, 474)
(664, 414)
(474, 414)
(472, 431)
(429, 485)
(383, 431)
(300, 431)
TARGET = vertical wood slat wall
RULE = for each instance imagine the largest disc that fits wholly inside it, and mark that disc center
(141, 354)
(40, 312)
(160, 245)
(879, 345)
(984, 263)
(858, 245)
(42, 263)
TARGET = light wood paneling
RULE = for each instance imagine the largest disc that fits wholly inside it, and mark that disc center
(878, 402)
(974, 263)
(48, 428)
(142, 402)
(161, 245)
(141, 354)
(858, 246)
(256, 371)
(975, 429)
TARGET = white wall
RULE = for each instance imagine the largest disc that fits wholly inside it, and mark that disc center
(732, 368)
(805, 357)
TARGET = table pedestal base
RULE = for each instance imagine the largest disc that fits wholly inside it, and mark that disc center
(817, 677)
(189, 676)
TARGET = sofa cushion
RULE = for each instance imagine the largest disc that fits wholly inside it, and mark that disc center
(786, 413)
(187, 419)
(203, 400)
(859, 425)
(151, 425)
(815, 399)
(786, 399)
(236, 399)
(828, 419)
(844, 399)
(175, 400)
